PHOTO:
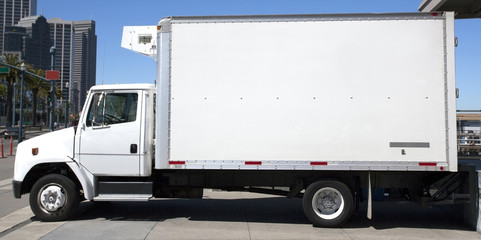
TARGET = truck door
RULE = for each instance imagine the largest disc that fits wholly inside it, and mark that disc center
(110, 134)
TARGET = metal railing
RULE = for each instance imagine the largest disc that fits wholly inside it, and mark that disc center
(23, 71)
(469, 143)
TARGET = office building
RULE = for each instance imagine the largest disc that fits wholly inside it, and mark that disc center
(13, 39)
(62, 36)
(85, 58)
(11, 11)
(37, 41)
(75, 57)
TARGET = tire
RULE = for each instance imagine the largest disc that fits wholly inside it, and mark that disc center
(54, 198)
(328, 203)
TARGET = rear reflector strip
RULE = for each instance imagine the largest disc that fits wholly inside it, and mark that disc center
(428, 164)
(318, 163)
(176, 162)
(253, 163)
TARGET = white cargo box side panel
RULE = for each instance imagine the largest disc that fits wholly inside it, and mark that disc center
(354, 94)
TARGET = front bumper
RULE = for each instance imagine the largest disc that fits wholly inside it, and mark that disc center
(17, 189)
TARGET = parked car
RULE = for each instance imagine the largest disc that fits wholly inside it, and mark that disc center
(13, 132)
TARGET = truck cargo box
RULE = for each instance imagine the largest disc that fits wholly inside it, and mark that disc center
(306, 92)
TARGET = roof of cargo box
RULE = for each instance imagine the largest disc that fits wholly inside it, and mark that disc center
(288, 17)
(463, 8)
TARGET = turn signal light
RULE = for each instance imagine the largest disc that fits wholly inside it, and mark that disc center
(34, 151)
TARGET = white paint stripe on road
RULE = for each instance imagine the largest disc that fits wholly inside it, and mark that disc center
(6, 182)
(34, 230)
(15, 218)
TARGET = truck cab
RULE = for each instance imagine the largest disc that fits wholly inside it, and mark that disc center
(114, 138)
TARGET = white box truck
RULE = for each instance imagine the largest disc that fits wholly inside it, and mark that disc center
(311, 106)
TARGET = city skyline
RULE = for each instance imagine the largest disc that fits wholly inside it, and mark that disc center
(31, 36)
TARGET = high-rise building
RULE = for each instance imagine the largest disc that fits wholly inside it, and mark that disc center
(11, 11)
(13, 39)
(85, 58)
(62, 36)
(37, 42)
(75, 57)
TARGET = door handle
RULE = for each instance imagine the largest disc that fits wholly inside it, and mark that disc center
(133, 148)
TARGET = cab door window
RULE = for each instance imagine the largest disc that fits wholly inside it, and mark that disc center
(112, 108)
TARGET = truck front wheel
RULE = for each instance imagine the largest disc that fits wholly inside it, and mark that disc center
(328, 203)
(54, 198)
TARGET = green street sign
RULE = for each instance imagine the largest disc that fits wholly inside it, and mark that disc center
(4, 69)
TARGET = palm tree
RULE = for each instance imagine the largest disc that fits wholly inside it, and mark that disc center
(3, 90)
(35, 85)
(45, 92)
(3, 96)
(11, 78)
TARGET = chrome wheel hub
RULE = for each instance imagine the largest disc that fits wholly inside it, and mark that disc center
(52, 198)
(328, 203)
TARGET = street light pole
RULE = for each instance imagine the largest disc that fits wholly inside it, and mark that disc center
(52, 89)
(14, 102)
(20, 127)
(66, 104)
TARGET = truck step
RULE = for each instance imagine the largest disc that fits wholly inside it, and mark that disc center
(125, 188)
(123, 197)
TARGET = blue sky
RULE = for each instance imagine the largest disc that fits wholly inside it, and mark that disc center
(117, 65)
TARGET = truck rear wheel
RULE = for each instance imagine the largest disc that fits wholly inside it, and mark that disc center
(54, 198)
(328, 203)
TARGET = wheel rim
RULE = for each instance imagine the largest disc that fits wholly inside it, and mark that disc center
(328, 203)
(51, 198)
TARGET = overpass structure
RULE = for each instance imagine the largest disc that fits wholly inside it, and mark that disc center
(463, 8)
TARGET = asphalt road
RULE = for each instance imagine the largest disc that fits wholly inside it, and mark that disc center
(7, 163)
(234, 215)
(7, 201)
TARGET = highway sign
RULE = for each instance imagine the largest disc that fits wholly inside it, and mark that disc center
(4, 70)
(52, 74)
